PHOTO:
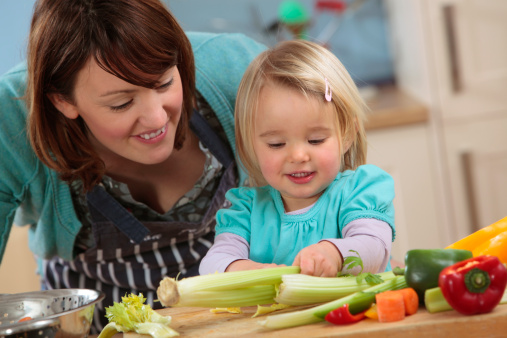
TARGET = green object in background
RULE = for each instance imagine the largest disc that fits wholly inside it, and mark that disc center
(423, 266)
(292, 12)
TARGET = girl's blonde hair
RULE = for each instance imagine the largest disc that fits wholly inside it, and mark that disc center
(302, 66)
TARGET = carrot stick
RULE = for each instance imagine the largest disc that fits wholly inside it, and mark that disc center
(410, 299)
(390, 306)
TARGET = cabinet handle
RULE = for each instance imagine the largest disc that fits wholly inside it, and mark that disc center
(449, 12)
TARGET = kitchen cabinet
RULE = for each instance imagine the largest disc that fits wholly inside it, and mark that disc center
(405, 153)
(452, 55)
(400, 142)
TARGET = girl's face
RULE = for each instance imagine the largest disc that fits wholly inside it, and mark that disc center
(126, 121)
(296, 144)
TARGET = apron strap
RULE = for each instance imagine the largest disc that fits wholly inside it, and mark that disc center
(117, 214)
(210, 139)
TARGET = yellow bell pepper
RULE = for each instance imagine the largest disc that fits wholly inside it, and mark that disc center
(475, 239)
(491, 240)
(496, 246)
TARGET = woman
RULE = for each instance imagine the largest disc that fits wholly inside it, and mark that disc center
(123, 152)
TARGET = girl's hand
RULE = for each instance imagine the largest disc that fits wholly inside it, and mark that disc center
(322, 260)
(246, 264)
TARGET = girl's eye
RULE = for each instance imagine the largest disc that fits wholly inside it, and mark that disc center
(316, 141)
(122, 106)
(276, 145)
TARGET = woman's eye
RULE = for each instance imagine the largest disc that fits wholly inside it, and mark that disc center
(275, 145)
(166, 85)
(122, 106)
(319, 141)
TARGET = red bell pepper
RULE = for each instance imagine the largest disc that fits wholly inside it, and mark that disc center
(474, 285)
(342, 315)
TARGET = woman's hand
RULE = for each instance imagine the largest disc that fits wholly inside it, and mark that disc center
(246, 264)
(322, 260)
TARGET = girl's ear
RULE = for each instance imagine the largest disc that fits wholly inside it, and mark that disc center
(64, 106)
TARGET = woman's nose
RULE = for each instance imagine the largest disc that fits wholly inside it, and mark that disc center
(153, 113)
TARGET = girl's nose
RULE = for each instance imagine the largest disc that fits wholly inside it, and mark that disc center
(299, 154)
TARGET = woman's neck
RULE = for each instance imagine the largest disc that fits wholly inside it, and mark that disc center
(161, 185)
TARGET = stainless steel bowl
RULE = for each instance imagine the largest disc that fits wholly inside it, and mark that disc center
(53, 313)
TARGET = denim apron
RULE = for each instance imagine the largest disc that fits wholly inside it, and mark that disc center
(132, 256)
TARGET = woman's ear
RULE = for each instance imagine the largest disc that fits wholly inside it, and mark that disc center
(64, 106)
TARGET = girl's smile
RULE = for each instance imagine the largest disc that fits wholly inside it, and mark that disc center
(301, 177)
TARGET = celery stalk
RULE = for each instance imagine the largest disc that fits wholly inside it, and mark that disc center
(317, 314)
(298, 289)
(434, 300)
(220, 289)
(251, 296)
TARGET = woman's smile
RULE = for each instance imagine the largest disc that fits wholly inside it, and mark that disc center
(153, 136)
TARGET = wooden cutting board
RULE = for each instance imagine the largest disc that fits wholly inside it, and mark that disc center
(199, 322)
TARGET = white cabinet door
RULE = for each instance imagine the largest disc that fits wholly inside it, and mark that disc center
(452, 55)
(477, 172)
(469, 46)
(467, 41)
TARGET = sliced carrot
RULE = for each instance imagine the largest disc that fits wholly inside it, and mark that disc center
(372, 312)
(410, 299)
(390, 306)
(24, 319)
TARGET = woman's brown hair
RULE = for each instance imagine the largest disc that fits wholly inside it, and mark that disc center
(127, 38)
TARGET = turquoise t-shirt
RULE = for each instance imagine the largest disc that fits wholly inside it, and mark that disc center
(257, 214)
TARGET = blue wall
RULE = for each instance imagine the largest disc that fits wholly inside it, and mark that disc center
(360, 41)
(14, 26)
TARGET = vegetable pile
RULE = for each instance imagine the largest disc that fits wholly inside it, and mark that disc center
(468, 276)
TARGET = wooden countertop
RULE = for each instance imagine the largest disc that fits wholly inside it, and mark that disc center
(391, 107)
(200, 322)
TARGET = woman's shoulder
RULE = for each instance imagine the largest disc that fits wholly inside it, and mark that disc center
(223, 56)
(13, 113)
(230, 41)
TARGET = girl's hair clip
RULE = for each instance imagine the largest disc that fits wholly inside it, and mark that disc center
(328, 94)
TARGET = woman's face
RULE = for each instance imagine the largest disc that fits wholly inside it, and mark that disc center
(125, 120)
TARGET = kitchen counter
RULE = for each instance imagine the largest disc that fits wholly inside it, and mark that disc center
(391, 107)
(200, 322)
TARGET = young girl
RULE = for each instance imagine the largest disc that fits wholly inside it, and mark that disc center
(300, 137)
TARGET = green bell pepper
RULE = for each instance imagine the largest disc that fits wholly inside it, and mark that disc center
(423, 266)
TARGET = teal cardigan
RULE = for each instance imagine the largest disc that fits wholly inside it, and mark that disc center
(32, 194)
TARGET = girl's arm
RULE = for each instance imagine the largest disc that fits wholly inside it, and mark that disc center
(229, 253)
(226, 249)
(371, 238)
